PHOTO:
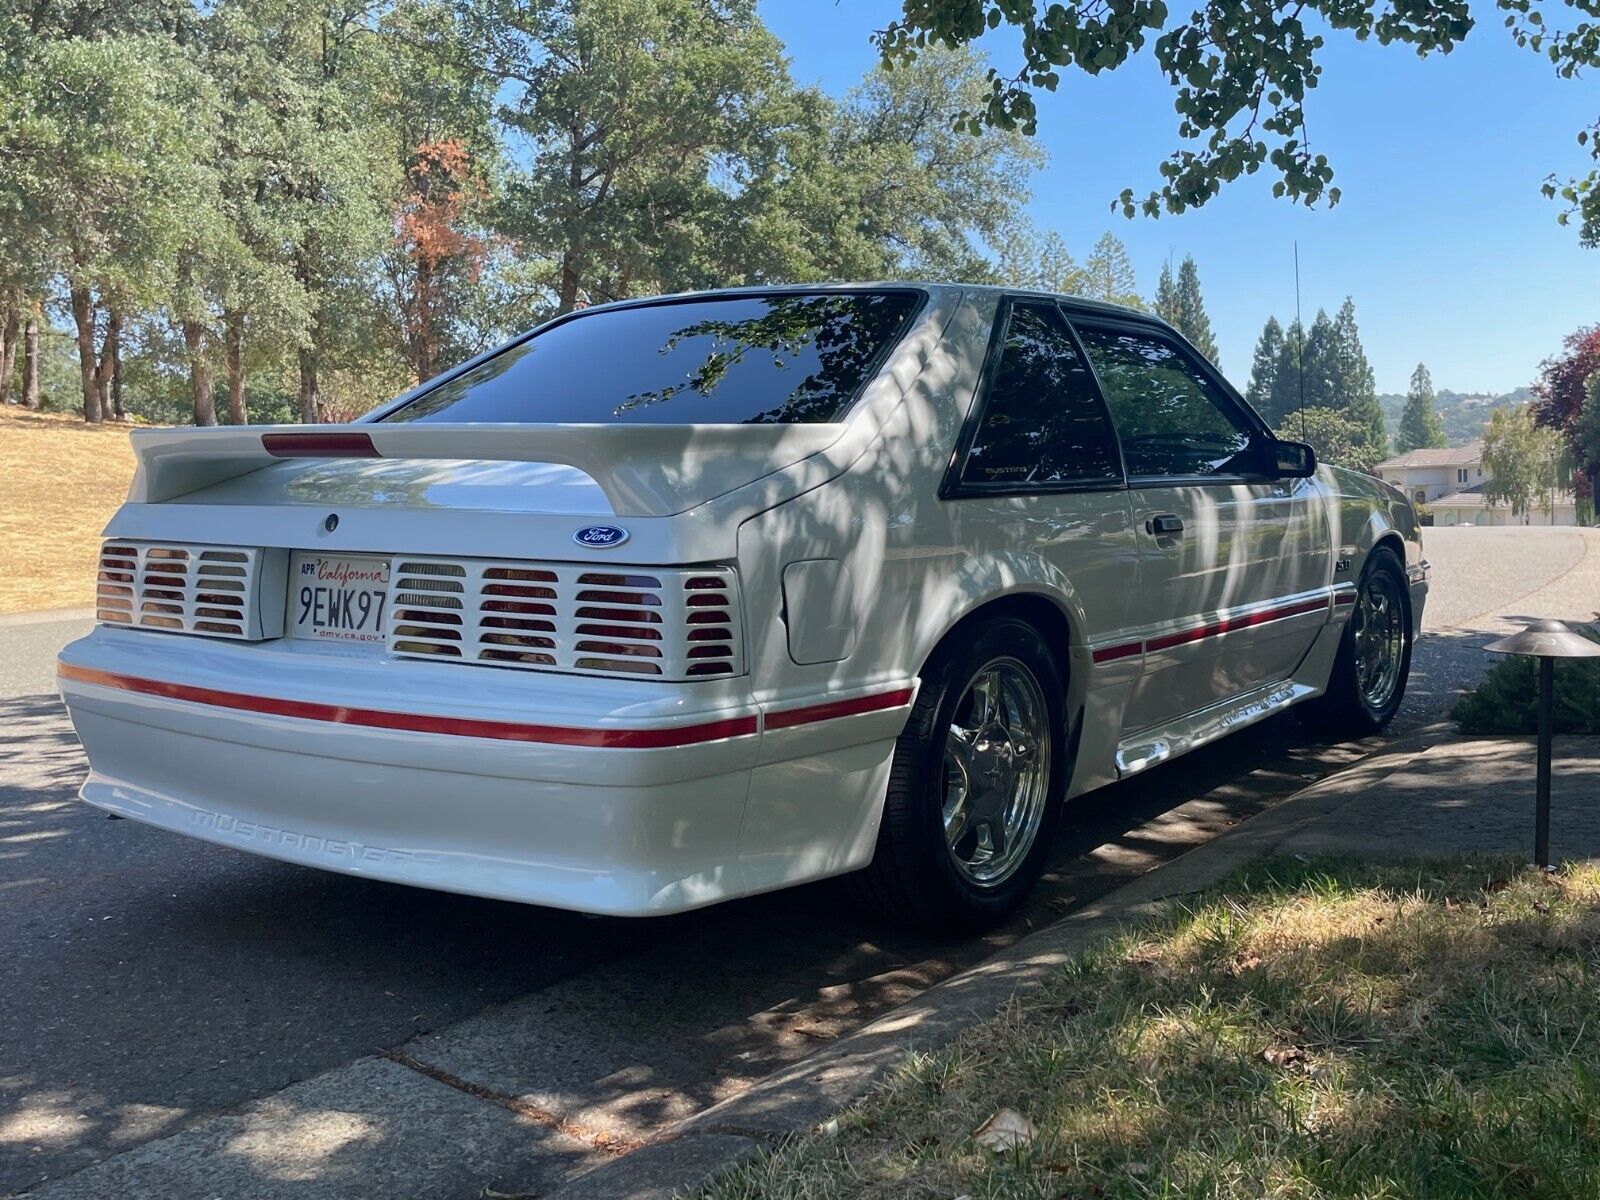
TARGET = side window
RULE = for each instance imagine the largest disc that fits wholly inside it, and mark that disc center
(1170, 418)
(1042, 421)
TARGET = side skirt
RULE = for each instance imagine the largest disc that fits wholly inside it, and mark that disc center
(1153, 746)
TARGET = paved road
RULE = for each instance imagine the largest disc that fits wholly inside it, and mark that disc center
(148, 983)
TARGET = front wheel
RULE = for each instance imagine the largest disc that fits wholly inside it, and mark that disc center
(1369, 674)
(975, 789)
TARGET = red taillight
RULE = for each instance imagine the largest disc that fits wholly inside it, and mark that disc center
(319, 445)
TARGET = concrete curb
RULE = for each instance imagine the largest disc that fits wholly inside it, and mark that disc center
(799, 1098)
(47, 616)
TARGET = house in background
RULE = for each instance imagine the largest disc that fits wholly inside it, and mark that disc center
(1426, 475)
(1470, 507)
(1449, 482)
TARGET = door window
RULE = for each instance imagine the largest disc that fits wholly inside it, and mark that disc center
(1171, 419)
(1043, 423)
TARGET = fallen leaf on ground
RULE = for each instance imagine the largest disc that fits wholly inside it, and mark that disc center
(1006, 1130)
(1285, 1056)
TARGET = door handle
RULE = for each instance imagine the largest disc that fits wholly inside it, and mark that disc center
(1165, 524)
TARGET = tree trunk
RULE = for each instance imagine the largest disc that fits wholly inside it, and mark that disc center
(83, 318)
(233, 339)
(117, 409)
(8, 352)
(205, 404)
(30, 358)
(422, 350)
(106, 372)
(568, 294)
(310, 400)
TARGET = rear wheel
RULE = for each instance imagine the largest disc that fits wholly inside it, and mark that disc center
(975, 790)
(1369, 674)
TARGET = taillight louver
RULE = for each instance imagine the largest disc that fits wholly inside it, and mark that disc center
(566, 617)
(427, 608)
(210, 590)
(711, 633)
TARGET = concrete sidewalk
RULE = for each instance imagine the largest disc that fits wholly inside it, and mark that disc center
(1454, 796)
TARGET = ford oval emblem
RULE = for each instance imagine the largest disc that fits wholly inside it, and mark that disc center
(600, 537)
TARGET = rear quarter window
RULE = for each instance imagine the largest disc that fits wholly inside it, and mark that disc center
(774, 359)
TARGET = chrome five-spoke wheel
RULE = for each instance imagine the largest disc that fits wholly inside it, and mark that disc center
(1379, 629)
(975, 789)
(1368, 681)
(996, 772)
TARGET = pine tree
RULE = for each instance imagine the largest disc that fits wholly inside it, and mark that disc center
(1041, 262)
(1285, 397)
(1264, 370)
(1420, 426)
(1357, 386)
(1108, 273)
(1321, 364)
(1166, 303)
(1192, 321)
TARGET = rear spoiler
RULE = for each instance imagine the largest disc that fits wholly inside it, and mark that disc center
(644, 470)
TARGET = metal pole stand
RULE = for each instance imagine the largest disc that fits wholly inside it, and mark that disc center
(1547, 721)
(1546, 641)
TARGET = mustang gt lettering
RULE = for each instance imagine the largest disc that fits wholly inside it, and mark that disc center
(675, 600)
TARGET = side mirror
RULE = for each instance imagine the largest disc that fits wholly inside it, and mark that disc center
(1294, 460)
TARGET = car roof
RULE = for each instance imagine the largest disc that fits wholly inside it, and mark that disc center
(1073, 303)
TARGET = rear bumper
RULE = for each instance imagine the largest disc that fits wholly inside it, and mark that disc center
(605, 796)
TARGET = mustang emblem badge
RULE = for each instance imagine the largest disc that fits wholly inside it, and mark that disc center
(600, 537)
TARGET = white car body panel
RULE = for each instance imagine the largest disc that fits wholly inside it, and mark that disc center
(641, 796)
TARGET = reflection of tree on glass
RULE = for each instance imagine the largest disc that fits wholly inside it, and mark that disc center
(787, 357)
(1165, 412)
(841, 334)
(1042, 422)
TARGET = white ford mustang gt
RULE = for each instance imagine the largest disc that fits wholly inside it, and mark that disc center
(676, 600)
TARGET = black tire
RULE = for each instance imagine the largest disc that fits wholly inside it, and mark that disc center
(1344, 710)
(914, 877)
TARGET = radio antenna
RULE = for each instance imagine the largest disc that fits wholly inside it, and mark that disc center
(1300, 340)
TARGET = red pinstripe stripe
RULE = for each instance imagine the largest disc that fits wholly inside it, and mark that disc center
(508, 731)
(786, 718)
(1229, 624)
(1112, 653)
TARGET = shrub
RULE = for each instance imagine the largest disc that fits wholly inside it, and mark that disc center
(1507, 701)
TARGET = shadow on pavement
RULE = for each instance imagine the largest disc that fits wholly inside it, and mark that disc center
(150, 980)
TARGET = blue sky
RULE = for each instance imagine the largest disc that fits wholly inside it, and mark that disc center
(1452, 255)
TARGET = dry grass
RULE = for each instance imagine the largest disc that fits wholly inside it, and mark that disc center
(60, 481)
(1312, 1030)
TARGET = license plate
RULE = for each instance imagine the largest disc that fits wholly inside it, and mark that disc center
(333, 598)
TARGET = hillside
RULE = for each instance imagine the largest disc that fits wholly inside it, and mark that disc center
(1463, 413)
(60, 481)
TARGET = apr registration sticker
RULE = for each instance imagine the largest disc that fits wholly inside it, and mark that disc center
(338, 599)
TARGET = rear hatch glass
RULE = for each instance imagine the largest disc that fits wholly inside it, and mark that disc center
(739, 359)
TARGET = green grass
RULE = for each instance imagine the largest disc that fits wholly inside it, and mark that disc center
(1322, 1029)
(1507, 701)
